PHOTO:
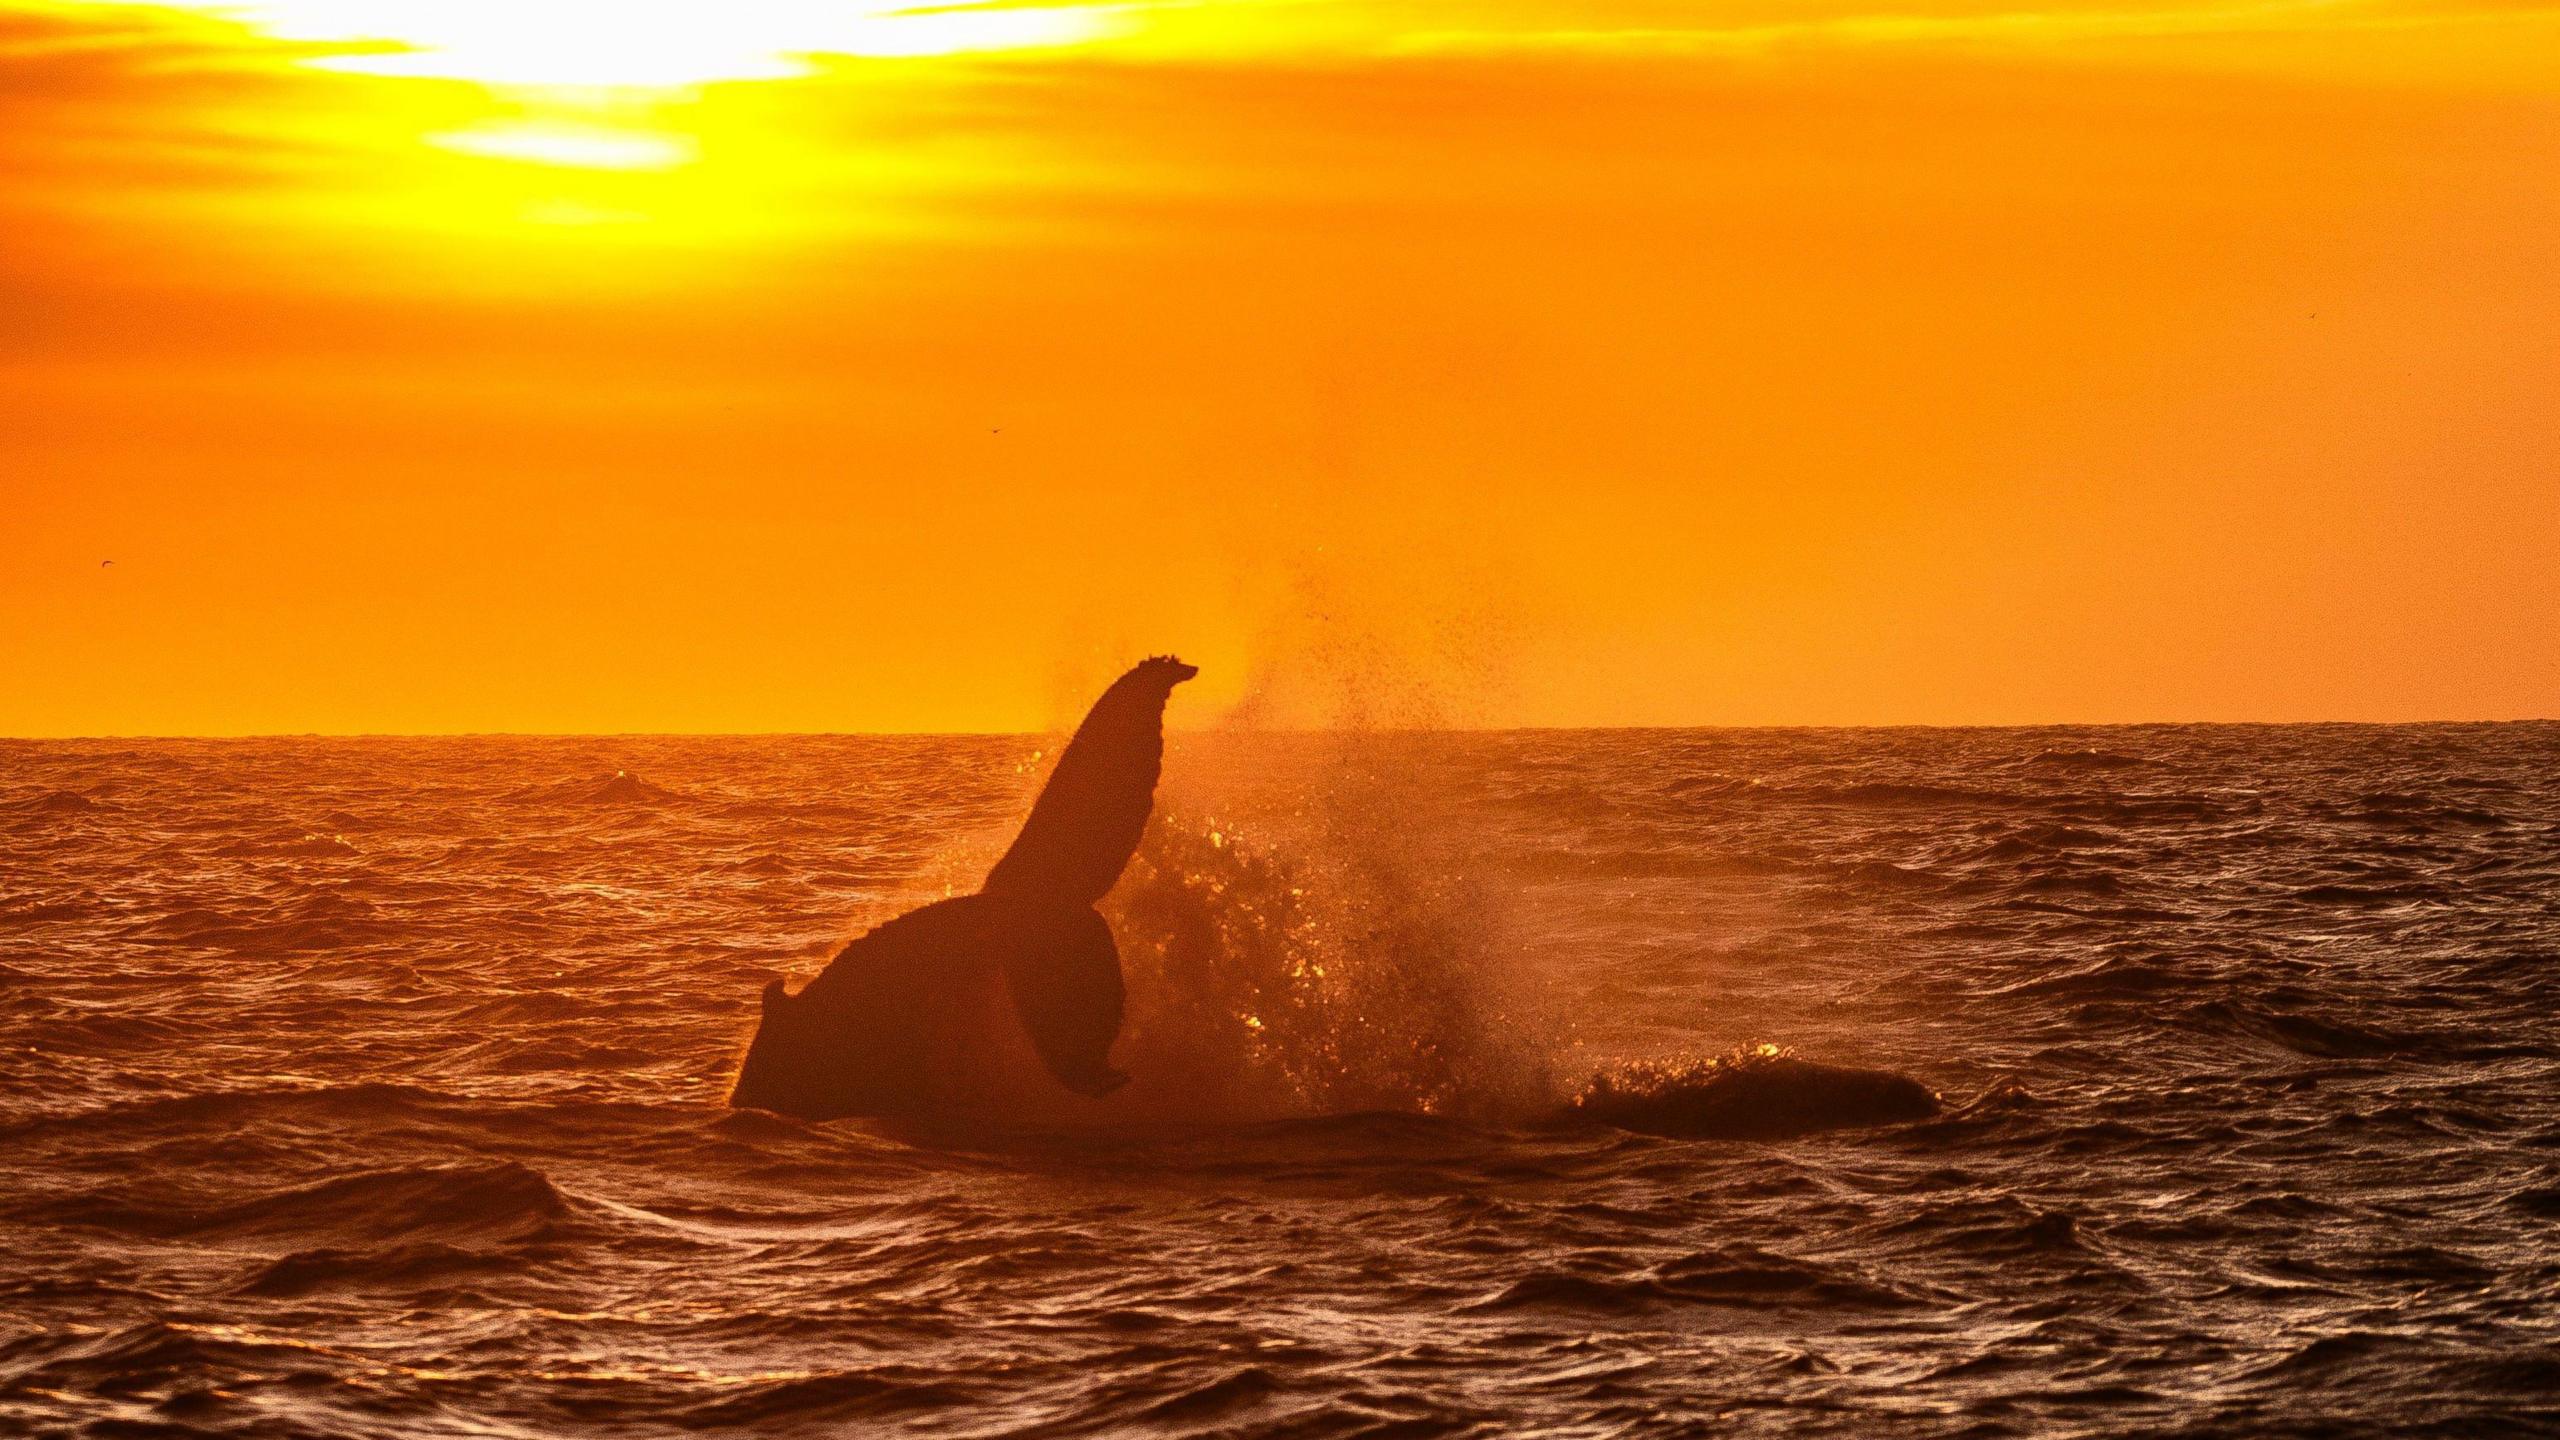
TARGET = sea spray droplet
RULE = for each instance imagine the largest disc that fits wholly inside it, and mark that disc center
(1252, 993)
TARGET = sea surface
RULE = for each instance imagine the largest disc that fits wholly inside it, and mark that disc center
(374, 1088)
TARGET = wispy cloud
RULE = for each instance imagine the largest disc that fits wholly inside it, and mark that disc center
(107, 94)
(2044, 26)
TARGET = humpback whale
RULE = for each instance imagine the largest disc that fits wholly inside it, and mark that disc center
(919, 1013)
(1014, 994)
(1765, 1096)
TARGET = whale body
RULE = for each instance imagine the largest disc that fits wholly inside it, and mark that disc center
(1773, 1098)
(925, 1012)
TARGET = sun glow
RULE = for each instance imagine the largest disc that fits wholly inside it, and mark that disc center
(588, 147)
(647, 44)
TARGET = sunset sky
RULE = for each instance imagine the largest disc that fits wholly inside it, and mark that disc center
(432, 365)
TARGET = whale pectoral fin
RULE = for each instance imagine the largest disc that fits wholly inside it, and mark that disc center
(1065, 979)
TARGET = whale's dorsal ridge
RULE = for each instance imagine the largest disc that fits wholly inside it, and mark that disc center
(1089, 817)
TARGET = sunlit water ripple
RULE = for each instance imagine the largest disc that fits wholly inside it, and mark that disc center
(372, 1087)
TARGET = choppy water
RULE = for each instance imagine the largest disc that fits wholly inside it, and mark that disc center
(373, 1088)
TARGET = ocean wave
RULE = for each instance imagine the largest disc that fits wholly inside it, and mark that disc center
(303, 847)
(2086, 759)
(2305, 1034)
(38, 912)
(2334, 893)
(2139, 810)
(2109, 977)
(2073, 882)
(365, 1101)
(2041, 841)
(159, 1355)
(835, 1397)
(1742, 1277)
(54, 802)
(464, 1198)
(1902, 794)
(620, 788)
(392, 1267)
(1999, 1225)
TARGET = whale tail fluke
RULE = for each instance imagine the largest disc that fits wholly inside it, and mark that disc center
(1089, 818)
(1064, 972)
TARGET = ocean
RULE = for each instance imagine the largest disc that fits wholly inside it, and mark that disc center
(374, 1087)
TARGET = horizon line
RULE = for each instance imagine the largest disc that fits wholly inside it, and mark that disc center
(1172, 732)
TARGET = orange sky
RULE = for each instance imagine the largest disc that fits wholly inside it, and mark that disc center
(796, 365)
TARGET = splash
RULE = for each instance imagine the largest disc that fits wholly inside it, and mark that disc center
(1266, 982)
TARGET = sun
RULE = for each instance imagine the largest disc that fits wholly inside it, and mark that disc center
(591, 85)
(646, 44)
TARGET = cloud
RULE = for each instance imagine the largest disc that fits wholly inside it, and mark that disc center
(101, 100)
(1942, 26)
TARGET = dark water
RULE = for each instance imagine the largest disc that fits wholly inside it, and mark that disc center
(372, 1088)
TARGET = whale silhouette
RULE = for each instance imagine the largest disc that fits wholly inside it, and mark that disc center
(927, 1012)
(1770, 1096)
(911, 1016)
